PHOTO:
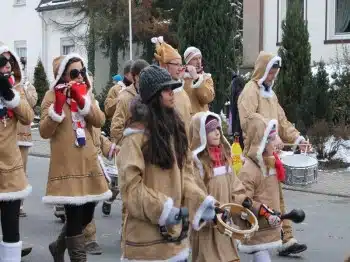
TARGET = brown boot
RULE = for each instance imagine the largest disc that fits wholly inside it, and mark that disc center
(76, 248)
(58, 247)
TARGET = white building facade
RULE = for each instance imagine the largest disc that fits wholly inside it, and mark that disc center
(328, 24)
(34, 29)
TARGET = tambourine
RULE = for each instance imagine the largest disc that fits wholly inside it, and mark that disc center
(247, 226)
(184, 217)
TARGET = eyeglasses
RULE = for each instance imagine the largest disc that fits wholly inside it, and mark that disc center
(74, 73)
(174, 64)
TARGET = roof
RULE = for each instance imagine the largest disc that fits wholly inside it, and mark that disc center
(48, 5)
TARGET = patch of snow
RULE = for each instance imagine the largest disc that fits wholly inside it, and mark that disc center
(331, 69)
(343, 153)
(54, 3)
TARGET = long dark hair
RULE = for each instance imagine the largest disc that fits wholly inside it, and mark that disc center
(165, 129)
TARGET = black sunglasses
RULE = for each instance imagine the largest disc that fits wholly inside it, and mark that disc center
(74, 73)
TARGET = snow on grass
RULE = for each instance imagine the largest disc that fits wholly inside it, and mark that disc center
(331, 69)
(343, 153)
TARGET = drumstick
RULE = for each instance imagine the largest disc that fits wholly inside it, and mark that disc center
(297, 144)
(115, 159)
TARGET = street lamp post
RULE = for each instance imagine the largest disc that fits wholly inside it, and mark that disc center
(130, 30)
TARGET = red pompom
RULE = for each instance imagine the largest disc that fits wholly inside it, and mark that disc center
(280, 170)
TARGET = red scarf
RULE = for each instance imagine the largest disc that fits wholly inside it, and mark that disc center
(216, 155)
(280, 170)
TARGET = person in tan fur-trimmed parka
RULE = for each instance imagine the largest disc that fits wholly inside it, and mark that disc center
(68, 114)
(261, 176)
(259, 97)
(212, 173)
(198, 84)
(156, 175)
(24, 132)
(113, 93)
(14, 186)
(170, 59)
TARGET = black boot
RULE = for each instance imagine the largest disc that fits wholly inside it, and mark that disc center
(26, 251)
(292, 247)
(106, 208)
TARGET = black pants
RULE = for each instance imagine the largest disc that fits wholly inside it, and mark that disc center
(10, 220)
(78, 217)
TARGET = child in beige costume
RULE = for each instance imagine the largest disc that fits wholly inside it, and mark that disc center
(213, 174)
(261, 176)
(156, 175)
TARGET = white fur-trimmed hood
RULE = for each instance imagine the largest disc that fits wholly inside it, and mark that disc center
(198, 136)
(62, 66)
(3, 49)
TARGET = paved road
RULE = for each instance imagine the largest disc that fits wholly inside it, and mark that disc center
(41, 227)
(326, 229)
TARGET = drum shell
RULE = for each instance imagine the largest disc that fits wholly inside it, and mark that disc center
(300, 175)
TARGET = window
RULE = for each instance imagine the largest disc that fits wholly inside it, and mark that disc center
(283, 6)
(67, 46)
(21, 48)
(342, 17)
(19, 2)
(338, 20)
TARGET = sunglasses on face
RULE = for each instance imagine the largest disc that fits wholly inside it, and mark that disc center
(74, 73)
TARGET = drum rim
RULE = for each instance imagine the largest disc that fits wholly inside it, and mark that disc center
(300, 156)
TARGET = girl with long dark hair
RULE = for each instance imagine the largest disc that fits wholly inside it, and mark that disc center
(155, 174)
(68, 114)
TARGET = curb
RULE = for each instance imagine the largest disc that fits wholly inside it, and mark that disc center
(39, 155)
(315, 192)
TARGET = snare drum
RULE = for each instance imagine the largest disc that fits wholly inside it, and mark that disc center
(300, 169)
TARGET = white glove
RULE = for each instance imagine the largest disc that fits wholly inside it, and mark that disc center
(274, 220)
(192, 71)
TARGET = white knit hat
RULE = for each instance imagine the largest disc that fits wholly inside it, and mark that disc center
(190, 53)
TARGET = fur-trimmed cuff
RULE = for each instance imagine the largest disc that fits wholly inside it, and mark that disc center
(208, 202)
(199, 81)
(168, 205)
(111, 150)
(86, 110)
(15, 101)
(54, 116)
(297, 142)
(97, 104)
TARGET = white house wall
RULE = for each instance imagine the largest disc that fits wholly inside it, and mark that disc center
(22, 23)
(55, 34)
(316, 10)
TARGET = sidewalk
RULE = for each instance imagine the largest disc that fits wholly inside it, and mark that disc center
(330, 182)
